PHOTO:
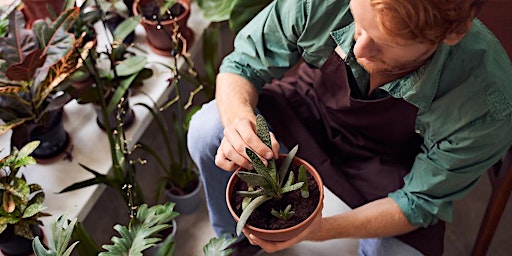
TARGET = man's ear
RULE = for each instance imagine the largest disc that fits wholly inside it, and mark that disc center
(454, 38)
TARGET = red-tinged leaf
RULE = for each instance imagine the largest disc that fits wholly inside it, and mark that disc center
(20, 41)
(25, 70)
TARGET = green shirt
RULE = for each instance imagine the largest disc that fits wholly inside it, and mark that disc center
(463, 94)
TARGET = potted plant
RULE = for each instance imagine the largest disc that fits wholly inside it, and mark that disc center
(180, 183)
(165, 23)
(109, 74)
(135, 238)
(21, 205)
(42, 9)
(269, 201)
(34, 63)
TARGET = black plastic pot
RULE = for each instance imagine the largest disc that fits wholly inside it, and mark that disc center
(51, 133)
(13, 245)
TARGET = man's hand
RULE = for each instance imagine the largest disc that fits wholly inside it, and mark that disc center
(237, 136)
(270, 246)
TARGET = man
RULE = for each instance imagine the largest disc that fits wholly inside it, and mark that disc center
(400, 105)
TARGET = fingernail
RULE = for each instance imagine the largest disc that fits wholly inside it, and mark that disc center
(268, 155)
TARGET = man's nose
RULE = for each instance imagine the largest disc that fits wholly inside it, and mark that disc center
(365, 47)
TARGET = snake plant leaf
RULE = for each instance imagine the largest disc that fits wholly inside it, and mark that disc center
(290, 180)
(248, 211)
(253, 179)
(263, 170)
(304, 190)
(253, 194)
(262, 130)
(283, 170)
(292, 187)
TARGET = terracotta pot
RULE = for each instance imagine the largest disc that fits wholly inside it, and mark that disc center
(158, 39)
(38, 9)
(280, 234)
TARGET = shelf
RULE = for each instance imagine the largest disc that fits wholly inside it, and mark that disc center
(90, 144)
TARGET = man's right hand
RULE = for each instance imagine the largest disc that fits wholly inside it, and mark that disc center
(238, 136)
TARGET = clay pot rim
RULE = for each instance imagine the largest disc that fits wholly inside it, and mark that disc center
(185, 4)
(302, 224)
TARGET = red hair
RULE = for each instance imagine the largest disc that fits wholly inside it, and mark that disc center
(423, 21)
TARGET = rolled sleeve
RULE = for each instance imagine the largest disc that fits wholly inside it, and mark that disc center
(264, 52)
(448, 169)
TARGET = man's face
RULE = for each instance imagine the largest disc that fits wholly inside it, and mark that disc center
(378, 52)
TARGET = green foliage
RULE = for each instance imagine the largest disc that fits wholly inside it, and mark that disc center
(22, 203)
(34, 62)
(62, 231)
(219, 246)
(284, 214)
(139, 235)
(266, 182)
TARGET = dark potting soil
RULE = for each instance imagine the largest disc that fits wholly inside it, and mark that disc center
(152, 10)
(262, 217)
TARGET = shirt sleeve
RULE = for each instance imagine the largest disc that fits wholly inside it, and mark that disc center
(267, 46)
(447, 170)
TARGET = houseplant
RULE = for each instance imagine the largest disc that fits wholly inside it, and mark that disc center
(21, 205)
(163, 18)
(135, 238)
(270, 203)
(42, 9)
(109, 73)
(34, 63)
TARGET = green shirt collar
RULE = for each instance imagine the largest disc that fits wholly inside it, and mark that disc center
(418, 88)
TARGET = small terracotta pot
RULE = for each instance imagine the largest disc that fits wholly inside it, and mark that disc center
(158, 39)
(287, 233)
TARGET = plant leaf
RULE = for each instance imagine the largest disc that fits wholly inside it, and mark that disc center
(283, 170)
(304, 190)
(20, 41)
(248, 211)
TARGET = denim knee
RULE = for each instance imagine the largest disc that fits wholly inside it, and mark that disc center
(205, 132)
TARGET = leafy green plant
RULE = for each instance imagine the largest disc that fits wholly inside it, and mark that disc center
(219, 246)
(22, 204)
(137, 236)
(62, 231)
(265, 182)
(34, 62)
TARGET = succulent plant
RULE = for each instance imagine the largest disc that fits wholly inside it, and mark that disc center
(266, 182)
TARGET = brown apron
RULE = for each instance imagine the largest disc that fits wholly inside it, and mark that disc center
(362, 148)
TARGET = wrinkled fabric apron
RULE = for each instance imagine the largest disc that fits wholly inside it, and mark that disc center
(362, 148)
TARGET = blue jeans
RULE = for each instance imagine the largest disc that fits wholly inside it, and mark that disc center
(204, 136)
